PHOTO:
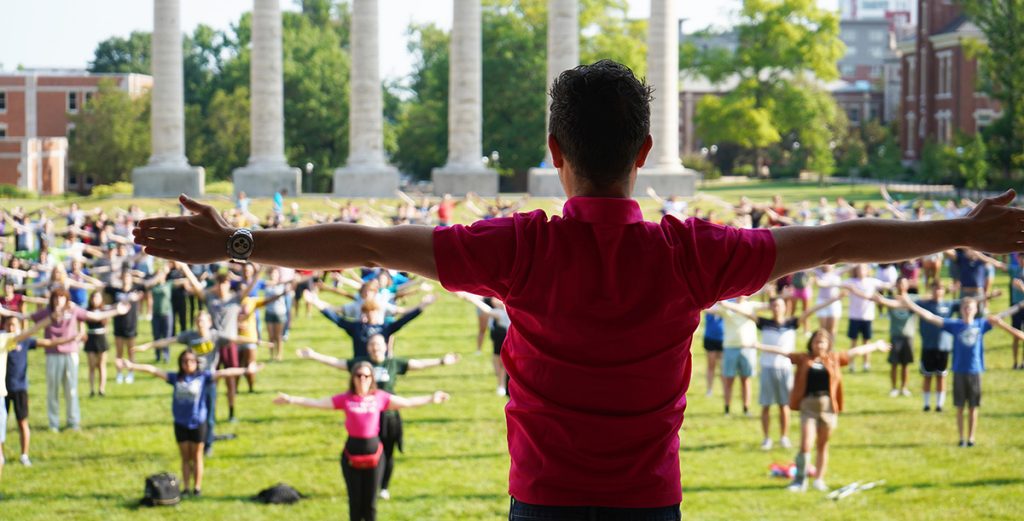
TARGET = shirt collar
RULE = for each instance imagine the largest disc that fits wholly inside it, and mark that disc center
(603, 210)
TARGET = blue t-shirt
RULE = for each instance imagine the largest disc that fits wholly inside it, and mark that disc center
(714, 327)
(931, 334)
(188, 403)
(973, 272)
(1016, 270)
(968, 344)
(17, 367)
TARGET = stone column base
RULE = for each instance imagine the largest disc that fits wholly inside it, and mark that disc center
(168, 180)
(458, 181)
(264, 180)
(681, 182)
(366, 181)
(544, 182)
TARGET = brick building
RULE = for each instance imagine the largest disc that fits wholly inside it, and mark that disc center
(938, 84)
(34, 125)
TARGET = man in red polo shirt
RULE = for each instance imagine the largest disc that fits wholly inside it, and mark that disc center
(603, 304)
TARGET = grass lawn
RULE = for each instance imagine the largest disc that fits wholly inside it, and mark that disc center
(456, 461)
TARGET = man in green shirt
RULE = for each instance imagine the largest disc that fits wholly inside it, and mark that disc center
(386, 370)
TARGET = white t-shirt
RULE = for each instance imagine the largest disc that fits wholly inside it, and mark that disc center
(6, 343)
(861, 308)
(740, 331)
(782, 336)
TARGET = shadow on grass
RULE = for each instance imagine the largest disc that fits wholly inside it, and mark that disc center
(691, 489)
(989, 482)
(434, 497)
(885, 445)
(428, 421)
(685, 447)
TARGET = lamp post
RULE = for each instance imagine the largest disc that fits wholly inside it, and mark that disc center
(309, 178)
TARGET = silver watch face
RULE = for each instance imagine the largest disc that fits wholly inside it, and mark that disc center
(241, 246)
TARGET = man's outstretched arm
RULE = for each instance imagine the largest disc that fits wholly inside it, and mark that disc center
(202, 239)
(991, 227)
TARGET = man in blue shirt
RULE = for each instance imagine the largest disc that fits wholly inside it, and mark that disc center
(968, 355)
(1016, 270)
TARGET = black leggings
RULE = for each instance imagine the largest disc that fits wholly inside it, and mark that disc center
(391, 437)
(362, 483)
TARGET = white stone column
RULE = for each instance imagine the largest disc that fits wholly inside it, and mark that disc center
(167, 174)
(365, 174)
(664, 171)
(464, 172)
(267, 171)
(563, 54)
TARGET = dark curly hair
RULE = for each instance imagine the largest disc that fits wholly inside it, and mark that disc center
(600, 117)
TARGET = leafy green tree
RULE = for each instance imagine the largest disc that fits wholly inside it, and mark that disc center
(111, 135)
(422, 128)
(608, 33)
(123, 55)
(934, 166)
(969, 163)
(1002, 22)
(223, 144)
(782, 45)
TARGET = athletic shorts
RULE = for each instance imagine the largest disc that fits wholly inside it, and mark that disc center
(859, 328)
(273, 318)
(833, 310)
(96, 343)
(934, 362)
(498, 335)
(20, 401)
(228, 356)
(802, 293)
(183, 433)
(248, 347)
(1018, 319)
(819, 408)
(776, 385)
(966, 390)
(712, 345)
(902, 351)
(738, 361)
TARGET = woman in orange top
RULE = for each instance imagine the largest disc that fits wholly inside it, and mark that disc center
(818, 395)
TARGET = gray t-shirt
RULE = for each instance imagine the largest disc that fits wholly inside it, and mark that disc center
(205, 347)
(224, 313)
(901, 323)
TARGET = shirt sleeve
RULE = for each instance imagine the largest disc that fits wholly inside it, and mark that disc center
(40, 315)
(478, 258)
(80, 313)
(172, 378)
(338, 400)
(722, 262)
(949, 325)
(384, 399)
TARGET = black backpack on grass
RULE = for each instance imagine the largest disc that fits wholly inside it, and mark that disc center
(279, 494)
(161, 490)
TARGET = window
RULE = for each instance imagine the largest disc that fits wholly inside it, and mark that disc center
(876, 71)
(88, 98)
(3, 101)
(911, 128)
(876, 36)
(944, 63)
(851, 50)
(72, 102)
(70, 128)
(877, 52)
(854, 114)
(3, 130)
(848, 70)
(911, 74)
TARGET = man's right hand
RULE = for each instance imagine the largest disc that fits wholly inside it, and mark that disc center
(200, 238)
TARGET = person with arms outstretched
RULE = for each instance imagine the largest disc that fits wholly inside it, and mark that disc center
(597, 295)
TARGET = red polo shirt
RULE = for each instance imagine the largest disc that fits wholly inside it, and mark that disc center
(603, 306)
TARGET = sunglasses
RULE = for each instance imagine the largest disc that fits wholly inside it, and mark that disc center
(362, 375)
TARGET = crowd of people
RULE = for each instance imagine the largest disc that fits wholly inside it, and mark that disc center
(72, 277)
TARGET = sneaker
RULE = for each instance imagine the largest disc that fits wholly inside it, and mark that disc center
(819, 485)
(867, 367)
(785, 443)
(970, 443)
(25, 461)
(938, 408)
(384, 494)
(130, 379)
(962, 443)
(500, 391)
(798, 485)
(708, 394)
(197, 492)
(927, 408)
(853, 369)
(120, 378)
(894, 393)
(905, 392)
(233, 419)
(186, 493)
(766, 444)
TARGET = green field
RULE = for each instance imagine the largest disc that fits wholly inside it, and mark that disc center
(456, 463)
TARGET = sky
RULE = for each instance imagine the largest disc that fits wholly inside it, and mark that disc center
(64, 33)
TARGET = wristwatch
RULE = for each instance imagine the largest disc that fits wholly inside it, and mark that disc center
(240, 245)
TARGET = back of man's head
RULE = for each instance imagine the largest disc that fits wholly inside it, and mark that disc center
(600, 117)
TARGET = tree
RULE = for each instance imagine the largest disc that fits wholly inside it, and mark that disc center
(221, 143)
(1002, 22)
(422, 129)
(969, 162)
(608, 33)
(123, 55)
(111, 135)
(783, 45)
